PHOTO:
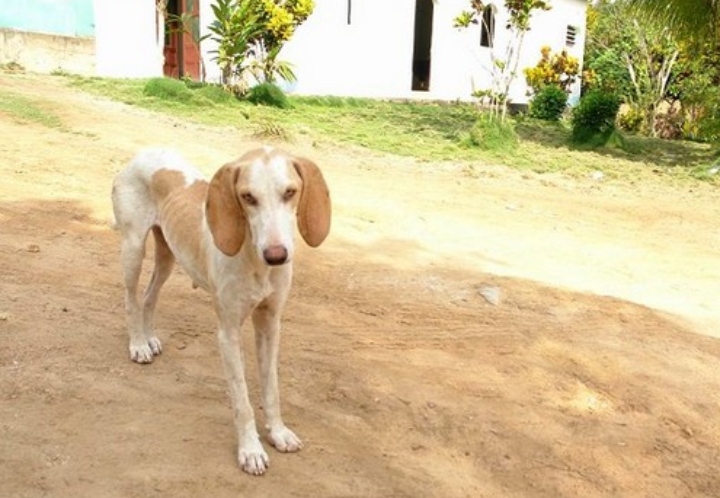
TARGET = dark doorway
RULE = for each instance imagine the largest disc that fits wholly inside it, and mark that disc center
(173, 48)
(423, 45)
(182, 56)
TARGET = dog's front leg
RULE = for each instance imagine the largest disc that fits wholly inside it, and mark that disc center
(251, 456)
(266, 320)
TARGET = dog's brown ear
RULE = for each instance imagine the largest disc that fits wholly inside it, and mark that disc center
(314, 208)
(225, 215)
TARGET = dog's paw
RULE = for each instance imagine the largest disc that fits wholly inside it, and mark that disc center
(143, 352)
(253, 459)
(155, 345)
(284, 440)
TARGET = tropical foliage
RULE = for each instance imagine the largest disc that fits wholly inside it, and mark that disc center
(633, 58)
(279, 19)
(663, 59)
(560, 70)
(235, 27)
(250, 35)
(696, 21)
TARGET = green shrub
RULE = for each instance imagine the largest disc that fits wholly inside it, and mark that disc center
(549, 103)
(214, 93)
(268, 94)
(593, 120)
(493, 135)
(167, 89)
(630, 119)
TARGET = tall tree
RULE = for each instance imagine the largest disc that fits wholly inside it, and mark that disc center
(633, 58)
(696, 23)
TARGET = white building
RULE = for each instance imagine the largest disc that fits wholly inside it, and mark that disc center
(406, 48)
(364, 48)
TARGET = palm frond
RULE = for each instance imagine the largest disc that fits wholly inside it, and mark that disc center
(696, 20)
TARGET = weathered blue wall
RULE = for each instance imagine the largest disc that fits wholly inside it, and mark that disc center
(57, 17)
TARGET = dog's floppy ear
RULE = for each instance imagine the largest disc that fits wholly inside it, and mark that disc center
(314, 208)
(225, 215)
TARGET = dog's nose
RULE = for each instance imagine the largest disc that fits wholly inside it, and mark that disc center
(275, 255)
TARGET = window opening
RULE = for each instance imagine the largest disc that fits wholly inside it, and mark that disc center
(570, 36)
(487, 28)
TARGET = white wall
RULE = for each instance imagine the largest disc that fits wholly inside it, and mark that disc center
(212, 71)
(461, 65)
(372, 56)
(125, 39)
(45, 53)
(550, 28)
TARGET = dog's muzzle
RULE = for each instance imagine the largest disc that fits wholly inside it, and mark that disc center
(275, 255)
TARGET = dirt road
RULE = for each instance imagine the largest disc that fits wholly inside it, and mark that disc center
(597, 374)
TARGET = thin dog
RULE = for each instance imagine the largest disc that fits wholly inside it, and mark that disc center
(234, 236)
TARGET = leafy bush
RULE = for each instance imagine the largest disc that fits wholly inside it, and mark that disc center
(235, 27)
(669, 124)
(167, 89)
(593, 120)
(268, 94)
(630, 119)
(492, 135)
(559, 70)
(549, 103)
(255, 31)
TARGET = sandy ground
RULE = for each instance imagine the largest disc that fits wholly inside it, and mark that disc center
(597, 373)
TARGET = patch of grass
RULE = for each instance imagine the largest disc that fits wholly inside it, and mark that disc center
(425, 130)
(214, 93)
(12, 67)
(129, 91)
(24, 110)
(271, 131)
(431, 131)
(168, 89)
(493, 135)
(59, 71)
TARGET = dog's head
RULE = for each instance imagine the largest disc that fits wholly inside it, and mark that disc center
(257, 198)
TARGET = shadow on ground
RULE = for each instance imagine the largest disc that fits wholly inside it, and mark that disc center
(403, 381)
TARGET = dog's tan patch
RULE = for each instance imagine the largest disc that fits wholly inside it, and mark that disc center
(182, 218)
(164, 181)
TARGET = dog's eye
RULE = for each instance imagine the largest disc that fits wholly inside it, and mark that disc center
(289, 194)
(249, 199)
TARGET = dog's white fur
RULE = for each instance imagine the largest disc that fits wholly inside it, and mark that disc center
(234, 238)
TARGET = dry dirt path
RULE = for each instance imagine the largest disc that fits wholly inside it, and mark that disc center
(596, 375)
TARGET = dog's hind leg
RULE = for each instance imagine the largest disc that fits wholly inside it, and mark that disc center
(132, 252)
(164, 261)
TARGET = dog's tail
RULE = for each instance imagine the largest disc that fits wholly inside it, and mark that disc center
(113, 222)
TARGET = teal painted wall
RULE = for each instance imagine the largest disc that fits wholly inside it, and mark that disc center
(57, 17)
